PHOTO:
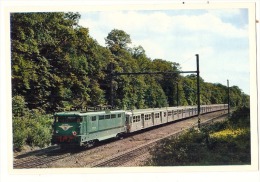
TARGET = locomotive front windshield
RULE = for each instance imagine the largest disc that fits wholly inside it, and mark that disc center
(68, 119)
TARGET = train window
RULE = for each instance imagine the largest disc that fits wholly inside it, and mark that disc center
(136, 118)
(64, 119)
(156, 115)
(169, 113)
(107, 116)
(113, 116)
(101, 117)
(164, 114)
(119, 115)
(94, 118)
(147, 116)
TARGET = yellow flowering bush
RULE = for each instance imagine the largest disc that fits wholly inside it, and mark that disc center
(228, 133)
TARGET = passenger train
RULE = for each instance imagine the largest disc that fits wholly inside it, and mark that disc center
(78, 128)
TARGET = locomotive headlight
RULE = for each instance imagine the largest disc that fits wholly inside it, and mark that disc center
(74, 133)
(57, 131)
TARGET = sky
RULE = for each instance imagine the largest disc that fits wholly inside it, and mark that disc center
(219, 36)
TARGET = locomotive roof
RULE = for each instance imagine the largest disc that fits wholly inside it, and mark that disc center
(80, 113)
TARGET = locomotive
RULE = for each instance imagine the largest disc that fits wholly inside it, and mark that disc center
(83, 128)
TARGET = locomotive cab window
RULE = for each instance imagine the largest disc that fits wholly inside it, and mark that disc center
(67, 119)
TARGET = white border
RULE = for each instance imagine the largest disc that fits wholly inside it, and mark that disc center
(239, 173)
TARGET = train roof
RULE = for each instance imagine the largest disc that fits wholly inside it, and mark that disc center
(88, 113)
(158, 109)
(85, 113)
(150, 110)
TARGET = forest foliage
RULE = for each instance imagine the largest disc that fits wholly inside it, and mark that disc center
(57, 65)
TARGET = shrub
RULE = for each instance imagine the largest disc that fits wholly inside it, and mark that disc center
(230, 146)
(33, 129)
(187, 149)
(19, 133)
(240, 118)
(18, 105)
(223, 143)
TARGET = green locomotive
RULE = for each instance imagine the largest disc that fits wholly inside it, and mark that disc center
(85, 128)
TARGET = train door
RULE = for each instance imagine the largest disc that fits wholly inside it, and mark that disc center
(152, 119)
(157, 118)
(137, 122)
(165, 118)
(142, 120)
(93, 124)
(128, 123)
(83, 126)
(170, 116)
(175, 116)
(180, 114)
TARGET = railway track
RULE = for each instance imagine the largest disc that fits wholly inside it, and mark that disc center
(40, 158)
(53, 153)
(122, 158)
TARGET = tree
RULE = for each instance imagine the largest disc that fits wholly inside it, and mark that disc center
(56, 65)
(117, 39)
(168, 82)
(54, 60)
